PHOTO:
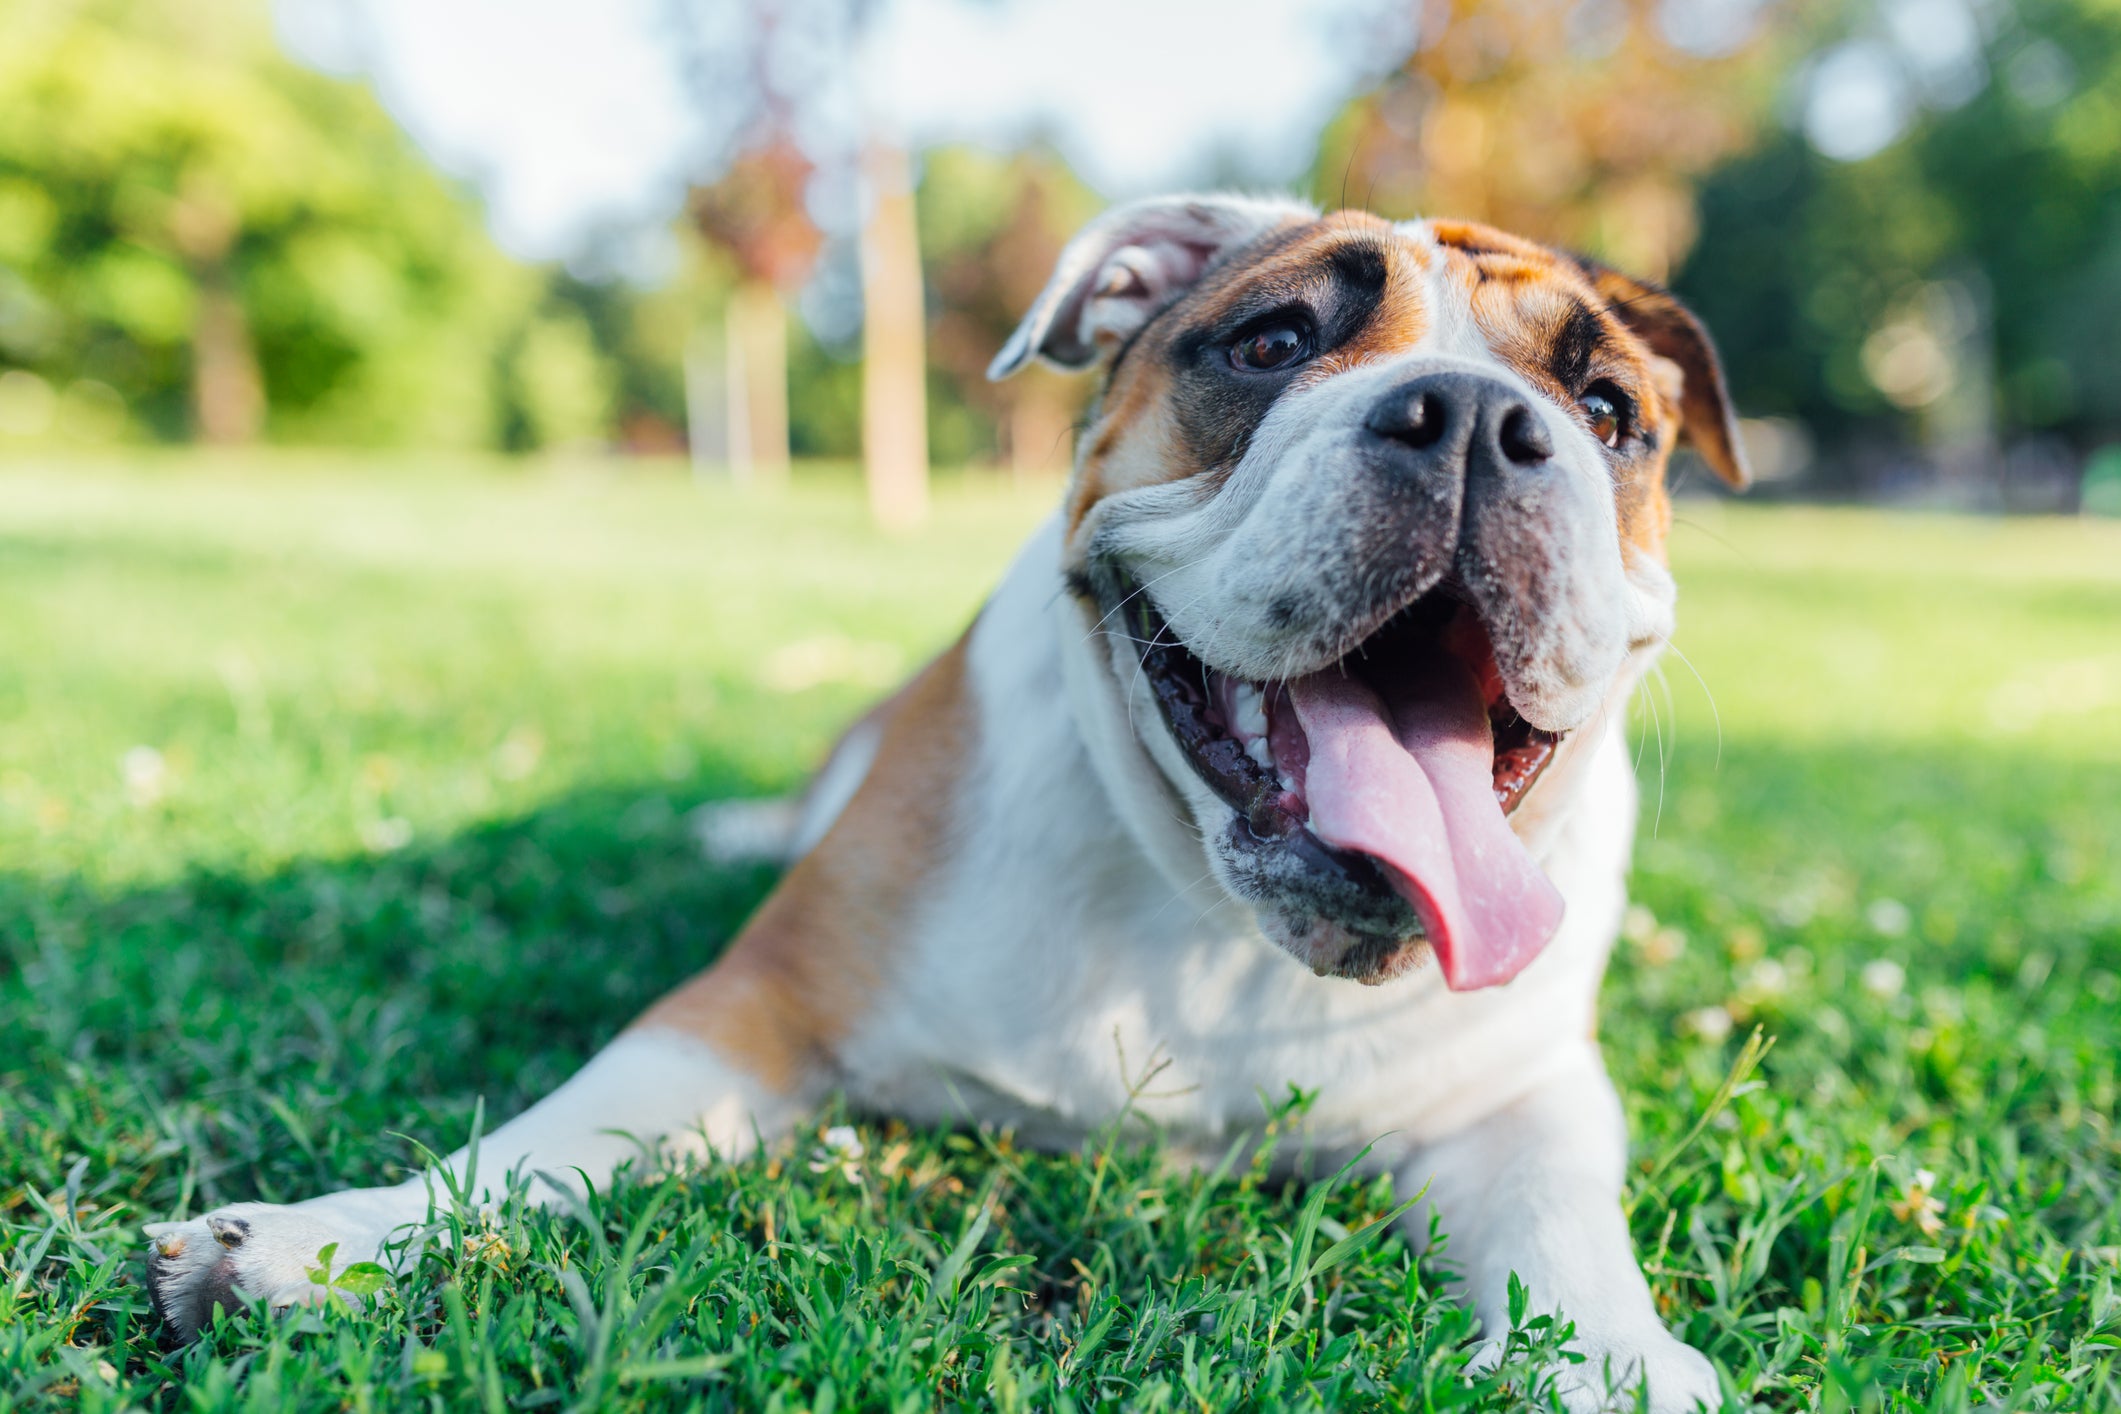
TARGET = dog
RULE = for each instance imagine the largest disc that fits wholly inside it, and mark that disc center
(1288, 750)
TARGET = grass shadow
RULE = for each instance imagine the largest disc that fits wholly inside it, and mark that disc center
(264, 1031)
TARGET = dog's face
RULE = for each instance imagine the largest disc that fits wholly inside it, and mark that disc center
(1373, 517)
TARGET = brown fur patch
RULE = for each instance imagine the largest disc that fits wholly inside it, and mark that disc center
(819, 950)
(1397, 322)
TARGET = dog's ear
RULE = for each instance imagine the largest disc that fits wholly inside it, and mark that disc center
(1706, 419)
(1128, 264)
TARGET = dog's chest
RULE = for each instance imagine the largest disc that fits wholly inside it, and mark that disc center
(1055, 1014)
(1057, 977)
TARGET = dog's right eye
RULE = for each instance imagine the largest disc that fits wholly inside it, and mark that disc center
(1271, 346)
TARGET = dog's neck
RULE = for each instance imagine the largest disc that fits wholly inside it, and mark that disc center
(1063, 784)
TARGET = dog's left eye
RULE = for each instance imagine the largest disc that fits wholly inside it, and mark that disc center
(1272, 346)
(1607, 409)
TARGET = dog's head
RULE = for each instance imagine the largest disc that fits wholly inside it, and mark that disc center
(1372, 516)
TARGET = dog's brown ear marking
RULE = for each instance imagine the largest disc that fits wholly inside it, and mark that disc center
(1125, 266)
(1707, 421)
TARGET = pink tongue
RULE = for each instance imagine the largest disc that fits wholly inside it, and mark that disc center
(1411, 785)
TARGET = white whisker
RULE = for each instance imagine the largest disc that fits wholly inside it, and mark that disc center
(1139, 589)
(1657, 820)
(1714, 710)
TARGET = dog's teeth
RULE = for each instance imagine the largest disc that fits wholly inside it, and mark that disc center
(1256, 748)
(1249, 710)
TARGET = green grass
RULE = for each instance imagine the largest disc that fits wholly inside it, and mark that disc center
(334, 798)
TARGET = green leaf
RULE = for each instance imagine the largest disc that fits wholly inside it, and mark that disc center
(1360, 1238)
(362, 1279)
(691, 1367)
(320, 1274)
(1925, 1255)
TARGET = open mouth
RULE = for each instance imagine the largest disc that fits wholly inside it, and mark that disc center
(1405, 755)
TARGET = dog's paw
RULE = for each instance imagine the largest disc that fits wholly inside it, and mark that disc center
(1679, 1378)
(247, 1251)
(1614, 1368)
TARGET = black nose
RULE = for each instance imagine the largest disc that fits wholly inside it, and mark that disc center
(1463, 416)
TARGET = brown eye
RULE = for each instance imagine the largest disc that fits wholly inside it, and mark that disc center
(1606, 409)
(1273, 346)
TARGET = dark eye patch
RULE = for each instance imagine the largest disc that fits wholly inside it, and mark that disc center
(1339, 294)
(1574, 346)
(1335, 294)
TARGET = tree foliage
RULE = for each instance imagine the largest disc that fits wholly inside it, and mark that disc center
(200, 237)
(156, 158)
(1584, 124)
(992, 226)
(2010, 192)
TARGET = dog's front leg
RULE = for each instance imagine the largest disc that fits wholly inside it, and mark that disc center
(1534, 1190)
(661, 1082)
(735, 1054)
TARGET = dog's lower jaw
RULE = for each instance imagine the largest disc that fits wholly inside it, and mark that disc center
(1332, 949)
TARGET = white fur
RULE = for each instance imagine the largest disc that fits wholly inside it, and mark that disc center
(1081, 926)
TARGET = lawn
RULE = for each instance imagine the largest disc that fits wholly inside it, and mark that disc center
(337, 798)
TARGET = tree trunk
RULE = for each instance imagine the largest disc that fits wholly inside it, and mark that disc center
(757, 366)
(706, 372)
(894, 348)
(227, 395)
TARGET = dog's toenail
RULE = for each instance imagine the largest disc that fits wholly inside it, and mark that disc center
(229, 1232)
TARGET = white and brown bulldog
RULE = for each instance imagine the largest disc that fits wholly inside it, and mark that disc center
(1315, 680)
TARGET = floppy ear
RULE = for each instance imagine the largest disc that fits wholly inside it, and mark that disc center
(1125, 266)
(1706, 421)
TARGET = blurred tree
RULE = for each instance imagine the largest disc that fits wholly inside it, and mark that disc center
(992, 226)
(1582, 122)
(789, 136)
(564, 381)
(894, 346)
(1961, 250)
(231, 244)
(639, 334)
(754, 211)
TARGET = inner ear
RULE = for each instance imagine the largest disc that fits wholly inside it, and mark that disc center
(1126, 266)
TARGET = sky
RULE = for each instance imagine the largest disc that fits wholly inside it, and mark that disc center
(571, 116)
(574, 120)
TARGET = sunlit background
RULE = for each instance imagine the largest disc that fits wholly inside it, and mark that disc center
(448, 447)
(720, 231)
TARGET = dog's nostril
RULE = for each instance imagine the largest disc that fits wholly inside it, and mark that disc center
(1424, 420)
(1524, 439)
(1416, 421)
